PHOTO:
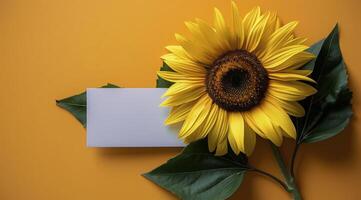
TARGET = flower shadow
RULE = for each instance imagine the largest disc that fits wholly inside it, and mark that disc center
(339, 151)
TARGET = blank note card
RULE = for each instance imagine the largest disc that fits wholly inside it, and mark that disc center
(128, 117)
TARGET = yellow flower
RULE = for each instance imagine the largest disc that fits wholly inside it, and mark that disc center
(233, 82)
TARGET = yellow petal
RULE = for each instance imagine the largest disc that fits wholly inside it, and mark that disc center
(250, 21)
(290, 90)
(214, 41)
(193, 78)
(177, 100)
(271, 25)
(279, 130)
(265, 125)
(250, 140)
(279, 117)
(196, 116)
(237, 28)
(236, 132)
(222, 31)
(303, 72)
(212, 142)
(291, 107)
(298, 60)
(295, 41)
(201, 40)
(222, 148)
(240, 138)
(219, 23)
(206, 127)
(219, 130)
(256, 33)
(181, 88)
(178, 51)
(194, 50)
(294, 62)
(286, 96)
(179, 113)
(285, 57)
(252, 124)
(289, 77)
(211, 120)
(284, 34)
(222, 138)
(184, 66)
(279, 39)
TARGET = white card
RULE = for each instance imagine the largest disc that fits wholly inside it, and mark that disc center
(128, 117)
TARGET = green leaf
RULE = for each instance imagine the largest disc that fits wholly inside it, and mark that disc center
(198, 174)
(314, 49)
(328, 111)
(76, 104)
(161, 83)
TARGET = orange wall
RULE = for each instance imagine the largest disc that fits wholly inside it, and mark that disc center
(52, 49)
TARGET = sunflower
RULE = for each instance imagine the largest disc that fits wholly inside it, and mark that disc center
(232, 83)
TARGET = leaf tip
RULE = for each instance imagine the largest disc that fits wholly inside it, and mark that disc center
(336, 28)
(58, 102)
(145, 175)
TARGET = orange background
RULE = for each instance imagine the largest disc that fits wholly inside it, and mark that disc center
(53, 49)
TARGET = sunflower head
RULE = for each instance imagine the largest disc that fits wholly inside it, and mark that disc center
(237, 81)
(233, 82)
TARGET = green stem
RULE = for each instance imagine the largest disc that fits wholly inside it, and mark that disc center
(293, 160)
(284, 186)
(290, 180)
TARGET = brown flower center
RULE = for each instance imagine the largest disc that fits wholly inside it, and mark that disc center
(237, 81)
